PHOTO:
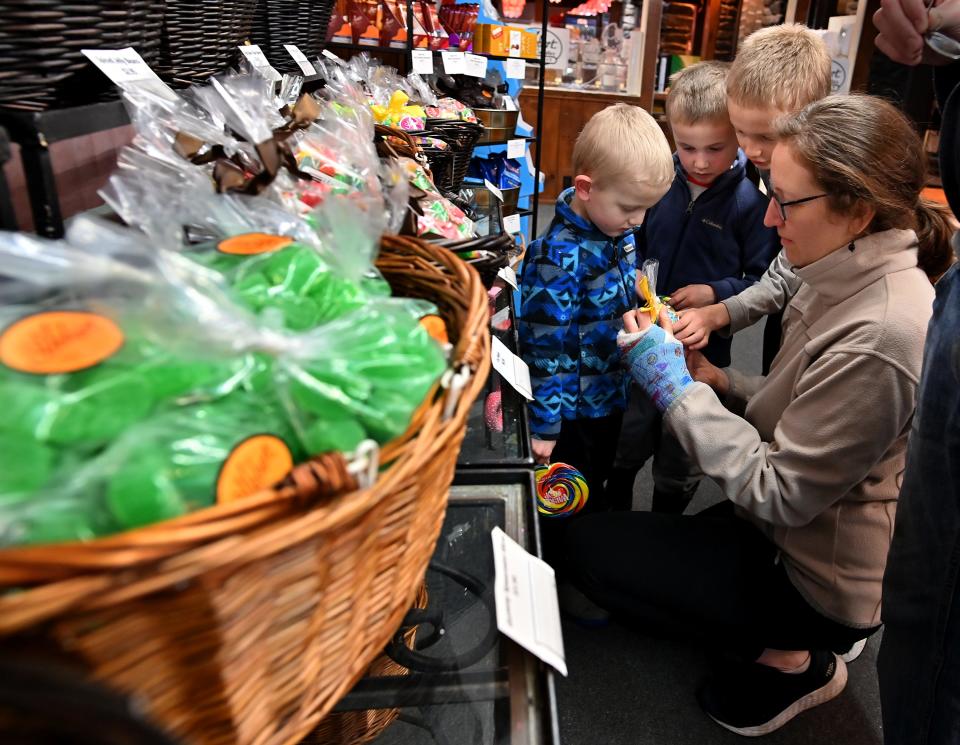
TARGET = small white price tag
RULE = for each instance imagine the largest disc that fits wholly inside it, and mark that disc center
(509, 276)
(525, 592)
(493, 189)
(516, 148)
(454, 63)
(331, 56)
(422, 61)
(126, 69)
(259, 61)
(511, 223)
(509, 103)
(301, 59)
(516, 69)
(511, 368)
(476, 65)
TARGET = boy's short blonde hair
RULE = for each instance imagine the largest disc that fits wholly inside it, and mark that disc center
(623, 142)
(698, 93)
(781, 67)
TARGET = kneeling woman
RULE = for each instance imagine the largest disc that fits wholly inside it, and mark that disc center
(787, 572)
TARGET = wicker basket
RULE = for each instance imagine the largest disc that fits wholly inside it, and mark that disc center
(300, 22)
(40, 41)
(360, 727)
(200, 39)
(463, 136)
(244, 623)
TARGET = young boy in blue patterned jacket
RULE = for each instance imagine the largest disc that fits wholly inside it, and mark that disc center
(578, 280)
(708, 236)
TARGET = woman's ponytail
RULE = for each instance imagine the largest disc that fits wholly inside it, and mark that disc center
(935, 228)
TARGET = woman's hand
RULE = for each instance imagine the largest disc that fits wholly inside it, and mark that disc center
(902, 24)
(703, 371)
(692, 296)
(654, 357)
(695, 325)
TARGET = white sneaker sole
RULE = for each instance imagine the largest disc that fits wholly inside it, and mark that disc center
(820, 696)
(855, 651)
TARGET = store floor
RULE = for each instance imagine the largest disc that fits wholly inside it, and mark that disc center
(625, 688)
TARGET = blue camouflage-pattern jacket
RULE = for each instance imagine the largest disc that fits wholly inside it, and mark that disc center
(575, 285)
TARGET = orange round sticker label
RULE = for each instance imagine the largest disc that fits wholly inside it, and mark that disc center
(255, 464)
(59, 342)
(250, 244)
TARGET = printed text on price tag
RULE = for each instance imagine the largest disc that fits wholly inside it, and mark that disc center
(301, 59)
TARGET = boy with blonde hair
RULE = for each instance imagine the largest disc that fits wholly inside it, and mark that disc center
(577, 282)
(778, 70)
(708, 236)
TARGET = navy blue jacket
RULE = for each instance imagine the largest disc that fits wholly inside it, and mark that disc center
(717, 240)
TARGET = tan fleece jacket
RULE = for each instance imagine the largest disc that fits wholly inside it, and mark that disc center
(817, 458)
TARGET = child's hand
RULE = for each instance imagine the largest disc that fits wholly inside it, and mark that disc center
(692, 296)
(542, 450)
(704, 372)
(696, 324)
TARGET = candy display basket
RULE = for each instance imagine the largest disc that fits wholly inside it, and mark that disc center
(200, 39)
(244, 623)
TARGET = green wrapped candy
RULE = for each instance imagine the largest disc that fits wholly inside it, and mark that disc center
(142, 493)
(27, 464)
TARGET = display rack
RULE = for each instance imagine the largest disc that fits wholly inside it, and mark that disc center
(406, 52)
(35, 132)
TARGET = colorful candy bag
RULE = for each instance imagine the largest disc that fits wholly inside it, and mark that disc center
(357, 377)
(182, 460)
(647, 290)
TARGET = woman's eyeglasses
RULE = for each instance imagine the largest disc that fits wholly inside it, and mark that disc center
(782, 206)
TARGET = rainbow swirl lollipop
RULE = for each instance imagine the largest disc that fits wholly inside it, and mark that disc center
(561, 490)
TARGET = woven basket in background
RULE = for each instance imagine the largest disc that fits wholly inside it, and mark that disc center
(302, 23)
(244, 623)
(41, 66)
(200, 39)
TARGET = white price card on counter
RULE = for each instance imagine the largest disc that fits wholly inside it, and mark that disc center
(516, 148)
(127, 70)
(301, 59)
(422, 61)
(516, 68)
(525, 592)
(511, 368)
(454, 63)
(508, 275)
(509, 103)
(259, 61)
(476, 65)
(511, 223)
(493, 189)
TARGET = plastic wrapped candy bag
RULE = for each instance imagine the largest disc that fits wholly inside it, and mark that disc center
(295, 273)
(177, 462)
(78, 364)
(647, 289)
(396, 113)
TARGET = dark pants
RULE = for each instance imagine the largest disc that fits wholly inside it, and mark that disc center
(589, 445)
(919, 660)
(712, 577)
(772, 337)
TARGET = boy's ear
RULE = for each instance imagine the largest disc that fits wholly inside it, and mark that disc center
(583, 185)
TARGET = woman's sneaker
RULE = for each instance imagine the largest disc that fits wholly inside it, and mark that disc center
(754, 699)
(855, 651)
